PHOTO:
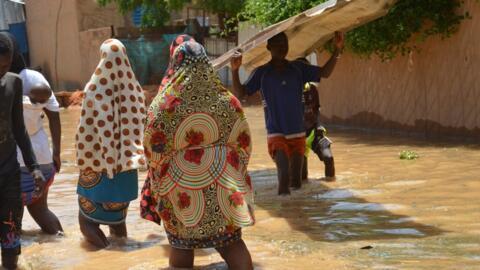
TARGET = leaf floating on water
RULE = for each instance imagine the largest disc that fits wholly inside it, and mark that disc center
(408, 155)
(366, 247)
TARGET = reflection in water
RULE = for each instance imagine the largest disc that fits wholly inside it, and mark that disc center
(421, 214)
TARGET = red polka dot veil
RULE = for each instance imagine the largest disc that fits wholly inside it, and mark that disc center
(110, 132)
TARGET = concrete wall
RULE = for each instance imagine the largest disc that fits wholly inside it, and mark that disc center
(435, 92)
(90, 42)
(55, 50)
(10, 12)
(57, 42)
(93, 16)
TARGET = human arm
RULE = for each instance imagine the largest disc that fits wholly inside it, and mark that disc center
(235, 63)
(18, 128)
(316, 99)
(22, 139)
(251, 85)
(56, 132)
(52, 111)
(327, 69)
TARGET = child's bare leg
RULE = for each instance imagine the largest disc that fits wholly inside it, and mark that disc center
(119, 230)
(283, 168)
(92, 233)
(329, 167)
(237, 256)
(181, 258)
(47, 220)
(296, 162)
(305, 169)
(327, 156)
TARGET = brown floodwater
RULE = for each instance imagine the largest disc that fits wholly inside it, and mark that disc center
(417, 214)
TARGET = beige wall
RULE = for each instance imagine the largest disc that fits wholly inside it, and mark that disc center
(65, 59)
(55, 54)
(93, 16)
(90, 42)
(435, 92)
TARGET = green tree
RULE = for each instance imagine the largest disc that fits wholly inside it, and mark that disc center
(267, 12)
(386, 37)
(392, 35)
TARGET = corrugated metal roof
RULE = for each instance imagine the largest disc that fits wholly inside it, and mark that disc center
(18, 1)
(10, 12)
(309, 30)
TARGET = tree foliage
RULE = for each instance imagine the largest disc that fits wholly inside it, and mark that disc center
(268, 12)
(386, 37)
(392, 34)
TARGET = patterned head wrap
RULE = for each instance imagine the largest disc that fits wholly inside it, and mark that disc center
(170, 71)
(109, 137)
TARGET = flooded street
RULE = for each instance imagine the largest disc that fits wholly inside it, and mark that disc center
(380, 213)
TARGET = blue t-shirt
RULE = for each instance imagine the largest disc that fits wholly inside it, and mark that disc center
(282, 94)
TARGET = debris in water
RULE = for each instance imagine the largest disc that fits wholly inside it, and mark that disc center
(366, 247)
(408, 155)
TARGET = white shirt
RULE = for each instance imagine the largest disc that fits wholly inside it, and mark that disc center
(33, 116)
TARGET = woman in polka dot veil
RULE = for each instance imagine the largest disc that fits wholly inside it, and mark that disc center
(109, 145)
(197, 142)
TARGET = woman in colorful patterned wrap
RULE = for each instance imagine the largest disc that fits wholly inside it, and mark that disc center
(197, 143)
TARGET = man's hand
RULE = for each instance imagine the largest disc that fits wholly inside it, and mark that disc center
(57, 162)
(339, 40)
(39, 183)
(236, 61)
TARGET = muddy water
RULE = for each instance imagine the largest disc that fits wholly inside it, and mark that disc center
(421, 214)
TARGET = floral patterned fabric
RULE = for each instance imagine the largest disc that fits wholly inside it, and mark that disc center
(197, 142)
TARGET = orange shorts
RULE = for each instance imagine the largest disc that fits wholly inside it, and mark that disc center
(289, 146)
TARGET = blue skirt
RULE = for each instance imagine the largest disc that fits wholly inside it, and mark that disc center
(28, 183)
(104, 200)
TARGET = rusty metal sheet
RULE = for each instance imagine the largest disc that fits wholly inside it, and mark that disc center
(309, 30)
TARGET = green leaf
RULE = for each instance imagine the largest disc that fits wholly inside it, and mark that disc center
(408, 155)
